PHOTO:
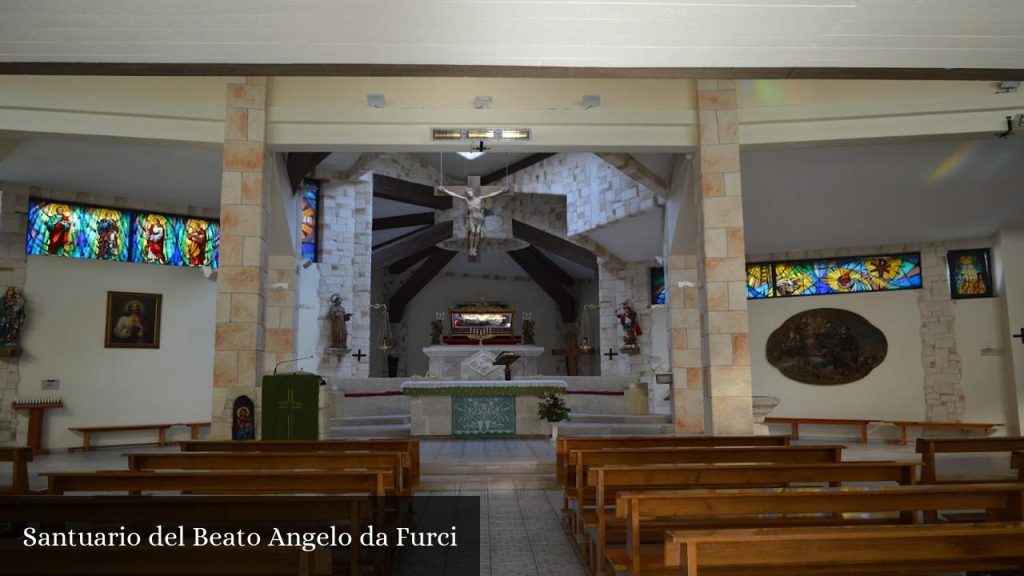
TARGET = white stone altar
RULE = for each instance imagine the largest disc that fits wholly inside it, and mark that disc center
(461, 362)
(477, 407)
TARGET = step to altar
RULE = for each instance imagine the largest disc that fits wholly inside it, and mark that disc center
(616, 425)
(508, 475)
(382, 426)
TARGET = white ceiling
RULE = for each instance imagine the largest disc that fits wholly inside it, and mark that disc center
(634, 239)
(592, 33)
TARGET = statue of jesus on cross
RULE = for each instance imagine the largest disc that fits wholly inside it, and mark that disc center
(473, 194)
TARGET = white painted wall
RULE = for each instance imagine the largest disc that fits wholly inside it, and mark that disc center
(63, 339)
(309, 324)
(895, 389)
(1009, 269)
(523, 295)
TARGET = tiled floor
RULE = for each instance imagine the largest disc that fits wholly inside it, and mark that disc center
(521, 531)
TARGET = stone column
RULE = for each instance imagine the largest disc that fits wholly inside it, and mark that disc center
(238, 363)
(282, 308)
(687, 365)
(721, 264)
(944, 396)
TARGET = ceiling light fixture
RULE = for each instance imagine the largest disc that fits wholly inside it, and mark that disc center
(375, 100)
(591, 101)
(471, 155)
(482, 102)
(1008, 86)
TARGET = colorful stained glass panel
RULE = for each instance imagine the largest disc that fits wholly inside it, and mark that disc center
(75, 231)
(970, 275)
(834, 276)
(310, 219)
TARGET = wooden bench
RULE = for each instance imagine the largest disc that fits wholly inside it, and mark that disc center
(162, 560)
(564, 473)
(19, 457)
(748, 508)
(608, 481)
(882, 550)
(862, 425)
(410, 447)
(929, 447)
(376, 482)
(1017, 463)
(394, 461)
(581, 460)
(161, 431)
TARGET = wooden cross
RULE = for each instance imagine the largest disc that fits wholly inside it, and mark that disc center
(359, 355)
(572, 355)
(290, 405)
(1021, 335)
(611, 353)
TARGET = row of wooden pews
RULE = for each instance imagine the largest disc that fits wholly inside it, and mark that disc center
(266, 485)
(707, 506)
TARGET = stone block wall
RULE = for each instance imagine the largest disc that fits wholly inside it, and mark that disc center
(282, 310)
(615, 287)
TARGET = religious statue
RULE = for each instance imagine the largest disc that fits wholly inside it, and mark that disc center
(630, 327)
(338, 316)
(12, 316)
(473, 194)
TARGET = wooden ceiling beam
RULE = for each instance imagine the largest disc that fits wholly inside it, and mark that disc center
(409, 193)
(411, 260)
(515, 167)
(528, 261)
(404, 221)
(299, 164)
(437, 260)
(552, 269)
(416, 241)
(554, 244)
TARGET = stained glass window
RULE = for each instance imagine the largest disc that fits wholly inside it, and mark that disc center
(98, 233)
(833, 276)
(969, 273)
(310, 219)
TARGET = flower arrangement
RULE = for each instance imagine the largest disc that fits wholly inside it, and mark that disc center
(552, 407)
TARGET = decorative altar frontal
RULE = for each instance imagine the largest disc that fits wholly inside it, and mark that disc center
(478, 407)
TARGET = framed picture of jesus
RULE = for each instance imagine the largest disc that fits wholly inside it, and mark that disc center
(133, 320)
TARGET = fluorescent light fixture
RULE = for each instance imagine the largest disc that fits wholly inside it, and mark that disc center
(471, 155)
(375, 100)
(477, 134)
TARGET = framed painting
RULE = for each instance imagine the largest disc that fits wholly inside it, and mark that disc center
(133, 320)
(970, 274)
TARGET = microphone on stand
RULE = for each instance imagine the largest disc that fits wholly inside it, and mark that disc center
(292, 360)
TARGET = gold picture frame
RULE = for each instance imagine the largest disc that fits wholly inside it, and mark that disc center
(133, 320)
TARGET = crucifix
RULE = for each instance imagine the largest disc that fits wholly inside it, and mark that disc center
(1021, 335)
(473, 194)
(572, 353)
(290, 406)
(359, 355)
(611, 354)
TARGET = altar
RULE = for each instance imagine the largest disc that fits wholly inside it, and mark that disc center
(474, 362)
(466, 408)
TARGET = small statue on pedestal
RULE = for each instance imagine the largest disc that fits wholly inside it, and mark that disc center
(338, 316)
(436, 329)
(12, 318)
(630, 328)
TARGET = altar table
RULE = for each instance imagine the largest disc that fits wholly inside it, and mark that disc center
(467, 408)
(451, 362)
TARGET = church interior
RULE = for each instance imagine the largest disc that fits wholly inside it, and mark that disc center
(639, 317)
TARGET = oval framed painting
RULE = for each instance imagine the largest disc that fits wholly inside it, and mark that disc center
(826, 346)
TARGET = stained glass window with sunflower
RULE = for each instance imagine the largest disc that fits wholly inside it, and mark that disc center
(970, 275)
(310, 190)
(833, 276)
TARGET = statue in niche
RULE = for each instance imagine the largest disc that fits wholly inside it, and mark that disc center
(12, 316)
(473, 194)
(338, 316)
(826, 346)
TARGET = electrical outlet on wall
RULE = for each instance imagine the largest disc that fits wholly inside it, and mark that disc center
(51, 384)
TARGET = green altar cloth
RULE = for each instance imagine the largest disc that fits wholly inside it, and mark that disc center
(291, 407)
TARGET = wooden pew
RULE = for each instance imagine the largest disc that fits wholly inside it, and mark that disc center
(929, 447)
(270, 461)
(1017, 462)
(166, 561)
(582, 459)
(881, 550)
(376, 482)
(794, 424)
(563, 446)
(715, 509)
(608, 481)
(19, 457)
(409, 446)
(88, 431)
(985, 427)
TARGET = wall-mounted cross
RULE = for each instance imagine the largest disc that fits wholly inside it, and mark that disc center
(611, 353)
(359, 355)
(1021, 335)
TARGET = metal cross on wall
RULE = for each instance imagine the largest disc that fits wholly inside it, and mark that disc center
(1021, 335)
(359, 355)
(611, 354)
